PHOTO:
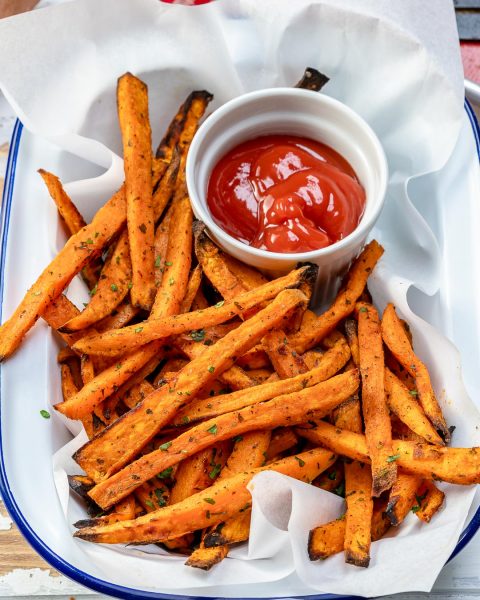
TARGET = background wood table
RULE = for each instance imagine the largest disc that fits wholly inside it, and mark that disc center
(24, 574)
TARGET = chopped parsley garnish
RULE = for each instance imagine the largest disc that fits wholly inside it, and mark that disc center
(213, 430)
(45, 414)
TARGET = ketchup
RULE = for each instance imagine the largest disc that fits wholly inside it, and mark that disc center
(285, 194)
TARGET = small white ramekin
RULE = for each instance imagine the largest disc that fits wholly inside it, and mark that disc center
(303, 113)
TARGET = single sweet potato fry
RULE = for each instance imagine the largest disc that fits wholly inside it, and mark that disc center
(404, 404)
(396, 339)
(194, 105)
(453, 465)
(205, 558)
(288, 409)
(132, 101)
(76, 253)
(215, 504)
(214, 265)
(402, 496)
(178, 260)
(121, 442)
(343, 304)
(73, 221)
(429, 500)
(378, 429)
(193, 286)
(327, 540)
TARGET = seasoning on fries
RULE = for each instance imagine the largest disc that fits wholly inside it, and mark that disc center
(192, 372)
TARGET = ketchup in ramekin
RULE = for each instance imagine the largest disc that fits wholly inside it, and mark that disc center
(285, 193)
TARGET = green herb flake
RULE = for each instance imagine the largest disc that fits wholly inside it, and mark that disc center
(93, 291)
(209, 500)
(213, 430)
(393, 458)
(114, 287)
(36, 293)
(89, 241)
(165, 474)
(171, 281)
(211, 369)
(45, 414)
(185, 419)
(164, 447)
(238, 438)
(150, 504)
(158, 262)
(118, 366)
(129, 285)
(160, 498)
(138, 329)
(340, 489)
(413, 393)
(362, 309)
(332, 476)
(220, 304)
(197, 335)
(300, 461)
(215, 471)
(168, 263)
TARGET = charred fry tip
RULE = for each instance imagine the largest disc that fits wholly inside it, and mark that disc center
(390, 511)
(202, 95)
(79, 487)
(213, 539)
(312, 555)
(309, 275)
(198, 228)
(84, 535)
(384, 480)
(84, 523)
(358, 561)
(313, 80)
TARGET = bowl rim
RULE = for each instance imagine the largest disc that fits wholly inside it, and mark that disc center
(351, 239)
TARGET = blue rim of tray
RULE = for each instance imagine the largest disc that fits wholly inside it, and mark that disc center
(56, 561)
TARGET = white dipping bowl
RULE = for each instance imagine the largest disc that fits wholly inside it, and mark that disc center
(302, 113)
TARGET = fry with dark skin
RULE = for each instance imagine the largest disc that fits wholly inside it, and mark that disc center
(196, 103)
(132, 101)
(76, 253)
(343, 304)
(396, 339)
(117, 445)
(215, 504)
(312, 80)
(453, 465)
(285, 410)
(378, 429)
(122, 340)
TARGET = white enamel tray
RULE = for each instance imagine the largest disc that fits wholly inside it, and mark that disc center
(29, 236)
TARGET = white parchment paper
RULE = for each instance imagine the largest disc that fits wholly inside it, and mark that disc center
(387, 62)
